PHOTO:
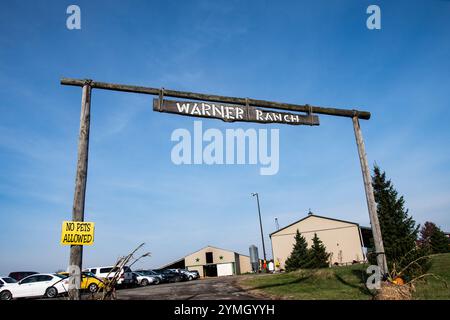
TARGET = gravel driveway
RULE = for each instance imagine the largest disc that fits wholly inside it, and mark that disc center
(223, 288)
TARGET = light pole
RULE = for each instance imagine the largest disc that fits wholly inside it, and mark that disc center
(260, 225)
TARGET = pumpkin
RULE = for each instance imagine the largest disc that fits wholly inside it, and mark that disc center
(398, 281)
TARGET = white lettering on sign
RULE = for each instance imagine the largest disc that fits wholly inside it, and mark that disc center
(232, 113)
(211, 110)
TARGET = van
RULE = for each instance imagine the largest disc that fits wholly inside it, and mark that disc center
(126, 275)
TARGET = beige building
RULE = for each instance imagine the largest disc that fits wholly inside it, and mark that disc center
(214, 262)
(341, 238)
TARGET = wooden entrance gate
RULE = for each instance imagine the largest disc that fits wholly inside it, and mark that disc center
(229, 109)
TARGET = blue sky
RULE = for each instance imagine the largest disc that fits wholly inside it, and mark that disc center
(316, 52)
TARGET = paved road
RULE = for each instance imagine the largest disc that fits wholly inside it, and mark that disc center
(223, 288)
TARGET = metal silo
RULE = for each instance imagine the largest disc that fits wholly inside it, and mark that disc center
(254, 258)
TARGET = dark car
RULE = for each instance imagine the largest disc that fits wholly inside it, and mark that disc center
(185, 274)
(19, 275)
(170, 275)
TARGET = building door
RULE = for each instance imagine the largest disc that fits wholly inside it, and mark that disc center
(210, 270)
(225, 269)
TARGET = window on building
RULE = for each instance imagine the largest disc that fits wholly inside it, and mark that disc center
(209, 257)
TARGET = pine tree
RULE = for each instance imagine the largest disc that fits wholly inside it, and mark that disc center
(398, 229)
(433, 238)
(439, 242)
(299, 255)
(318, 256)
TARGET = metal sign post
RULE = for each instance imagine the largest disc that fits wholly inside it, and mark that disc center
(260, 226)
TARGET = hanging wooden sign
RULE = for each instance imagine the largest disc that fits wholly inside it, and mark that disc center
(232, 113)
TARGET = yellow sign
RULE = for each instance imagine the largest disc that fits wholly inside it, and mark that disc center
(77, 233)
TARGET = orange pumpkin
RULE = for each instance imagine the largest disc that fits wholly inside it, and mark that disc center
(398, 281)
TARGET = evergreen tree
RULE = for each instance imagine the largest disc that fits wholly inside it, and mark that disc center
(398, 229)
(318, 256)
(433, 238)
(299, 254)
(439, 242)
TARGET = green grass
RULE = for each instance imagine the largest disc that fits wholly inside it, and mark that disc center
(433, 288)
(332, 283)
(343, 283)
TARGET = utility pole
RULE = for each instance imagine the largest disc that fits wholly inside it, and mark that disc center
(76, 252)
(376, 230)
(260, 225)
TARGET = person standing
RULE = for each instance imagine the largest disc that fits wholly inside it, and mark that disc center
(271, 266)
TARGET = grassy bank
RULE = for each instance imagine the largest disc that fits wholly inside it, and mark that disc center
(434, 288)
(342, 283)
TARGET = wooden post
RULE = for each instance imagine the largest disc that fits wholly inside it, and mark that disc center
(222, 99)
(376, 230)
(76, 252)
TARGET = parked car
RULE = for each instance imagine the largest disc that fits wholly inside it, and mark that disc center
(170, 275)
(125, 276)
(159, 277)
(144, 280)
(5, 283)
(37, 285)
(185, 275)
(195, 273)
(19, 275)
(191, 275)
(88, 281)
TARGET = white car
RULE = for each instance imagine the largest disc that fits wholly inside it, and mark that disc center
(145, 280)
(125, 277)
(37, 285)
(5, 283)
